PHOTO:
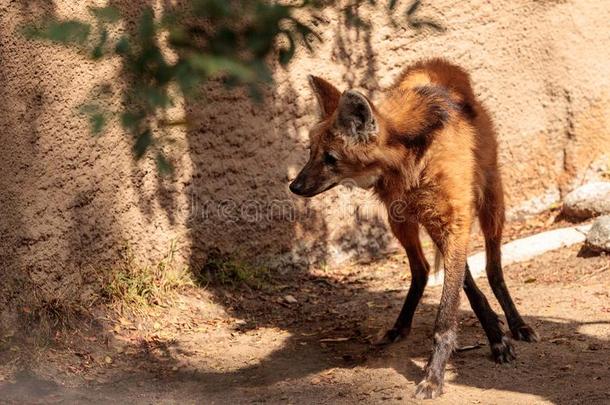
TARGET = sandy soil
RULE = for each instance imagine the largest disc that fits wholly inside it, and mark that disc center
(304, 338)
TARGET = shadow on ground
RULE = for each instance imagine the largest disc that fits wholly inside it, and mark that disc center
(329, 331)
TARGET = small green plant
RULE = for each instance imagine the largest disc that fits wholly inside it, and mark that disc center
(136, 285)
(227, 270)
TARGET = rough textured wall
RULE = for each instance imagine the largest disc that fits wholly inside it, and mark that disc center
(71, 202)
(540, 67)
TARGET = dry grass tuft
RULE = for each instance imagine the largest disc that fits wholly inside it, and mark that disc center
(44, 318)
(137, 286)
(228, 270)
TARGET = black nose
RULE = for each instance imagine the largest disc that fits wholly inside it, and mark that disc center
(296, 187)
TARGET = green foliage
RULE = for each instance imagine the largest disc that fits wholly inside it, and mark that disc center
(163, 165)
(143, 142)
(231, 40)
(97, 117)
(66, 32)
(106, 14)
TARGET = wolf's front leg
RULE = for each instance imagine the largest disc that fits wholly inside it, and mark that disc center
(445, 330)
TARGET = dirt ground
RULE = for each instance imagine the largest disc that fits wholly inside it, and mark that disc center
(305, 338)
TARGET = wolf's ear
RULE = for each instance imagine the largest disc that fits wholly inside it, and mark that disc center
(356, 116)
(328, 96)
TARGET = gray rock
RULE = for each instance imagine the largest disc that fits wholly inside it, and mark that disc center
(598, 238)
(588, 201)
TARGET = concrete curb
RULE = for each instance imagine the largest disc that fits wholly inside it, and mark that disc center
(522, 250)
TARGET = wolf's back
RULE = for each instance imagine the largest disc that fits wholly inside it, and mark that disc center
(442, 73)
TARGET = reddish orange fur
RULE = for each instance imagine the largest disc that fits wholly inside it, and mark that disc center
(430, 149)
(445, 181)
(452, 175)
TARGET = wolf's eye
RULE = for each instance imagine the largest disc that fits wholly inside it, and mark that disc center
(329, 159)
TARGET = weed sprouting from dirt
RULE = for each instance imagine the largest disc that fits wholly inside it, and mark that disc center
(232, 271)
(135, 285)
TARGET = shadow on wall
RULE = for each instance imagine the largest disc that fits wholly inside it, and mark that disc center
(240, 203)
(349, 40)
(16, 110)
(58, 206)
(237, 186)
(65, 208)
(242, 153)
(165, 189)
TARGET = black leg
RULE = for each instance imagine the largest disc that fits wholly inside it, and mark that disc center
(491, 217)
(408, 234)
(501, 347)
(519, 329)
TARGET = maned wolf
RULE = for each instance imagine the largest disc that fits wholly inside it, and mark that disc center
(428, 150)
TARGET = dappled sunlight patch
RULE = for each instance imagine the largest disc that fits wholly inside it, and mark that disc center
(594, 329)
(245, 352)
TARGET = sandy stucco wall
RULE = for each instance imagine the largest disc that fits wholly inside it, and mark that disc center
(71, 202)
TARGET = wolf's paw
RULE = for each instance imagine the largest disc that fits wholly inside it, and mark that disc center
(503, 352)
(525, 333)
(428, 390)
(390, 336)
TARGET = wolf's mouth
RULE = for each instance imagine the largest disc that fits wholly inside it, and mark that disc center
(327, 188)
(320, 191)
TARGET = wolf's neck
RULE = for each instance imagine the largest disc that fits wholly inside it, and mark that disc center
(396, 184)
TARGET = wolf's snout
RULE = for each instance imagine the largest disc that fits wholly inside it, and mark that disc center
(296, 186)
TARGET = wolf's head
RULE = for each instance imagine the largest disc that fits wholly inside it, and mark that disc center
(343, 145)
